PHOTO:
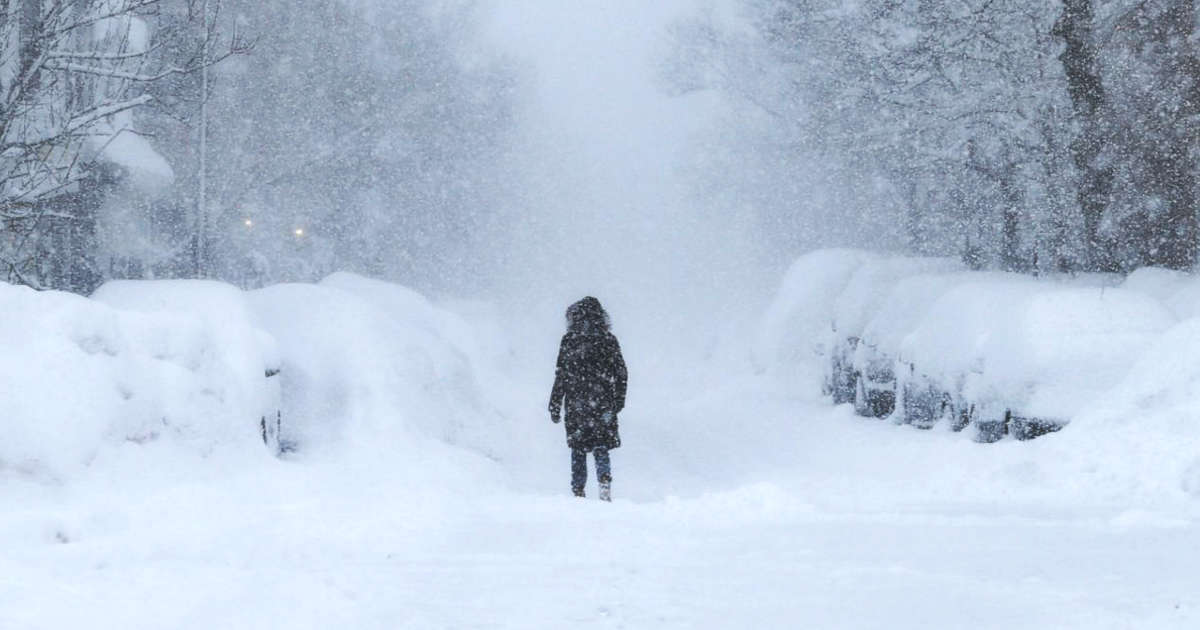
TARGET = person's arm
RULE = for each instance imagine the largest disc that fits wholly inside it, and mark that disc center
(560, 376)
(621, 376)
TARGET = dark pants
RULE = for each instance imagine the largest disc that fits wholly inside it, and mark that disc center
(579, 467)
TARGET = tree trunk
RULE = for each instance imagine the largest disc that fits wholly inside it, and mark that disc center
(1074, 26)
(1010, 234)
(202, 219)
(30, 36)
(1181, 177)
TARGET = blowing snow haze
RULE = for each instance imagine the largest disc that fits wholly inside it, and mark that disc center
(898, 318)
(607, 202)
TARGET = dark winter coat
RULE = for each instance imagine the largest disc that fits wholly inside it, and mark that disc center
(589, 380)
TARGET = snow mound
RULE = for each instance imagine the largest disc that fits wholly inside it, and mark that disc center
(925, 343)
(1155, 282)
(1148, 421)
(79, 375)
(196, 368)
(374, 365)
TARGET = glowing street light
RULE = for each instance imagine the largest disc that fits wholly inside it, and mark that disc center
(248, 223)
(299, 232)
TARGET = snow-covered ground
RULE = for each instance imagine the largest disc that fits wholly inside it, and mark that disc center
(429, 489)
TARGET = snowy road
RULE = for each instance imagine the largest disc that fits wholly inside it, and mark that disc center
(744, 559)
(830, 525)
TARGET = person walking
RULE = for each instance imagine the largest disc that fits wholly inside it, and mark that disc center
(590, 381)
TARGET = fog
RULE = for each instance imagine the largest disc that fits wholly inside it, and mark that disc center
(607, 203)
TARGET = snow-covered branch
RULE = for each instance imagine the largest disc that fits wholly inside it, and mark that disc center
(114, 73)
(99, 56)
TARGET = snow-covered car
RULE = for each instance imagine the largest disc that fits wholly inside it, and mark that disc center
(1021, 356)
(210, 369)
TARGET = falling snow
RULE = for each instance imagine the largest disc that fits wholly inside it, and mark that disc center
(284, 285)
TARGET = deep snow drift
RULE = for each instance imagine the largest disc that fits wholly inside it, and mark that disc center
(428, 488)
(184, 365)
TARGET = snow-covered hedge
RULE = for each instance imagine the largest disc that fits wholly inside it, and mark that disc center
(182, 366)
(923, 341)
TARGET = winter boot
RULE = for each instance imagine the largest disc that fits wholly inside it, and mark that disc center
(606, 490)
(578, 492)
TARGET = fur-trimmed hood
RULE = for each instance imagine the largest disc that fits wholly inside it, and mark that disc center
(588, 317)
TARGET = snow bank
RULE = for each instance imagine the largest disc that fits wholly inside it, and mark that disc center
(369, 362)
(1148, 421)
(79, 375)
(926, 343)
(1157, 283)
(237, 354)
(194, 367)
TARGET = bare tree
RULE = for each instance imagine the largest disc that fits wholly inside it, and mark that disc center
(71, 74)
(950, 108)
